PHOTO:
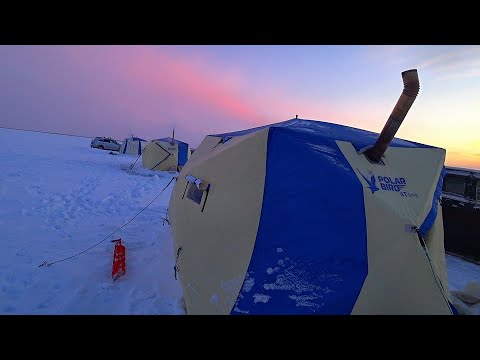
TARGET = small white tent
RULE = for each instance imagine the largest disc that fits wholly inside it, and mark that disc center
(132, 146)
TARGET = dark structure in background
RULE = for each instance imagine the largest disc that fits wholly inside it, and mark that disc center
(461, 212)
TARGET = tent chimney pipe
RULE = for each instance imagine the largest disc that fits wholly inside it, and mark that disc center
(410, 91)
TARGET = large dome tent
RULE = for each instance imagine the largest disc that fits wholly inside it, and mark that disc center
(310, 217)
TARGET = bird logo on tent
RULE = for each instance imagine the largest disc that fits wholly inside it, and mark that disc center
(371, 183)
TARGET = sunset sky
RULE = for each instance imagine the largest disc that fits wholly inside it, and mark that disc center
(147, 90)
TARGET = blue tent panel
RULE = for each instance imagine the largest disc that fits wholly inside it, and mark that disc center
(318, 264)
(432, 215)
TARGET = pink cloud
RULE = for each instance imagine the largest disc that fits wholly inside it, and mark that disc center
(146, 90)
(157, 78)
(117, 90)
(160, 80)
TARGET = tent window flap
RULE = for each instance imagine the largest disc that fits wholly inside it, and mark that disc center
(194, 194)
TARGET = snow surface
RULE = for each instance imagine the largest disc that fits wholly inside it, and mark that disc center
(59, 197)
(460, 273)
(261, 298)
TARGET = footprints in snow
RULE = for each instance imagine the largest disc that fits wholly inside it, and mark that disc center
(59, 209)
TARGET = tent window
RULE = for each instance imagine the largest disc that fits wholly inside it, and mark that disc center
(454, 184)
(194, 194)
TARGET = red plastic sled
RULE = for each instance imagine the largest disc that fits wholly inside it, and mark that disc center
(118, 266)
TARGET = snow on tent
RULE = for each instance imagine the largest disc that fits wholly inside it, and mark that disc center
(132, 146)
(165, 154)
(306, 217)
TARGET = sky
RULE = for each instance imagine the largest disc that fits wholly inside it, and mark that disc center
(147, 90)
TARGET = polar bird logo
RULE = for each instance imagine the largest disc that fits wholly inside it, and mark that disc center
(371, 184)
(386, 183)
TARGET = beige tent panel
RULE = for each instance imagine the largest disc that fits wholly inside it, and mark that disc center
(212, 269)
(400, 279)
(417, 165)
(160, 156)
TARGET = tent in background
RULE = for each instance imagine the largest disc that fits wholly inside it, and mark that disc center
(132, 146)
(165, 154)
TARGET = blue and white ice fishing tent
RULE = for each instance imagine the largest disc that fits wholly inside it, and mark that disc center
(165, 154)
(295, 218)
(183, 150)
(296, 221)
(132, 146)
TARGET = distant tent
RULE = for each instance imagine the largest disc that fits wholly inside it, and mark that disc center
(165, 154)
(132, 146)
(291, 218)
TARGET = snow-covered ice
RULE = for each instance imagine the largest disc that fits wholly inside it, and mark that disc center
(460, 273)
(59, 197)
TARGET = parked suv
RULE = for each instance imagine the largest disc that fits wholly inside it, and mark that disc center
(105, 143)
(461, 212)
